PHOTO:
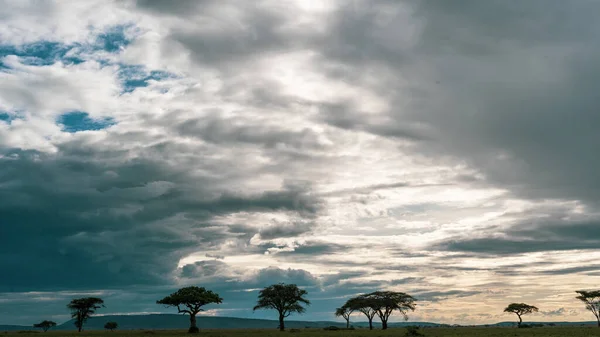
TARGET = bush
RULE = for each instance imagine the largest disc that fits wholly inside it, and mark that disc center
(412, 331)
(111, 326)
(525, 326)
(333, 328)
(193, 329)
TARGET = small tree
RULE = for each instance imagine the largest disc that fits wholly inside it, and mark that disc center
(364, 305)
(592, 302)
(385, 302)
(45, 325)
(285, 298)
(345, 312)
(111, 326)
(520, 309)
(83, 308)
(192, 299)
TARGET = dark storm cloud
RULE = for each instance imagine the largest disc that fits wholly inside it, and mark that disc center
(434, 296)
(181, 7)
(514, 99)
(549, 234)
(245, 31)
(522, 91)
(91, 220)
(285, 230)
(232, 131)
(572, 270)
(202, 269)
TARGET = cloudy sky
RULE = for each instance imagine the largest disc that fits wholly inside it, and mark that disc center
(447, 149)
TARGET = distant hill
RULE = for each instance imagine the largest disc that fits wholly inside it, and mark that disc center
(15, 327)
(170, 321)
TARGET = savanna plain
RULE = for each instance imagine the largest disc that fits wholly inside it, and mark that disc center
(451, 332)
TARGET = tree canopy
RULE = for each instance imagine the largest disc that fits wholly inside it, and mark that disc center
(382, 304)
(285, 298)
(591, 299)
(45, 325)
(364, 305)
(344, 311)
(520, 309)
(111, 326)
(83, 308)
(386, 302)
(190, 300)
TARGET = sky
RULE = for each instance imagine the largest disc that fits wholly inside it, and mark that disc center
(446, 149)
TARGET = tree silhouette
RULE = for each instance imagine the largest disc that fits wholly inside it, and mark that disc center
(385, 302)
(285, 298)
(592, 302)
(111, 326)
(192, 299)
(520, 309)
(364, 305)
(83, 308)
(345, 312)
(45, 325)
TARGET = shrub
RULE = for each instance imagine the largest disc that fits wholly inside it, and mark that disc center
(333, 328)
(412, 331)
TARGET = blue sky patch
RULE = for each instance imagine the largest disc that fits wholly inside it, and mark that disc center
(39, 53)
(81, 121)
(43, 53)
(5, 117)
(113, 39)
(133, 77)
(8, 117)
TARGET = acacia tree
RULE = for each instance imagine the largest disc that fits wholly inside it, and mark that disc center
(592, 302)
(364, 305)
(83, 308)
(285, 298)
(385, 302)
(344, 311)
(111, 326)
(192, 299)
(520, 309)
(45, 325)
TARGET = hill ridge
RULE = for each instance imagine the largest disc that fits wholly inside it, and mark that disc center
(174, 321)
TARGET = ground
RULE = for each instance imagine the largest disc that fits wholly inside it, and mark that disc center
(451, 332)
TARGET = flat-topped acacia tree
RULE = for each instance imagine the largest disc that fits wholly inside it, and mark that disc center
(386, 302)
(285, 298)
(363, 305)
(592, 302)
(344, 311)
(83, 308)
(45, 325)
(190, 300)
(520, 309)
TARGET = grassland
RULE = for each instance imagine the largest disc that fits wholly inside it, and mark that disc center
(450, 332)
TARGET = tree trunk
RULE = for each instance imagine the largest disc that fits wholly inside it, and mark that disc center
(520, 320)
(598, 319)
(370, 324)
(193, 326)
(383, 325)
(347, 323)
(281, 326)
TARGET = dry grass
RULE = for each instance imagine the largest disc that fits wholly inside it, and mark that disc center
(451, 332)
